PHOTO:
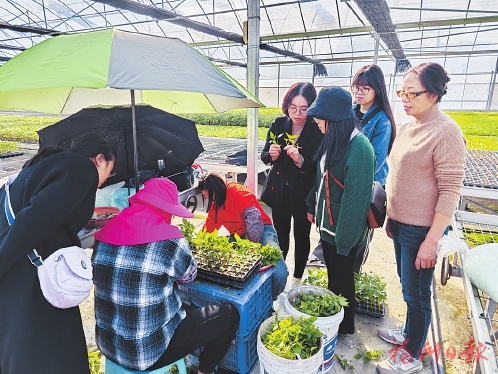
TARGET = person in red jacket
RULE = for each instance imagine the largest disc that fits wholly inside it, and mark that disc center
(237, 209)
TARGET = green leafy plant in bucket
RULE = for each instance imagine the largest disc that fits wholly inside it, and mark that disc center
(319, 305)
(293, 337)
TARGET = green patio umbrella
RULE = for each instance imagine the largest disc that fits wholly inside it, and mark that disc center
(66, 73)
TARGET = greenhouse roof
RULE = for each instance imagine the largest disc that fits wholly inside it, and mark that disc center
(312, 31)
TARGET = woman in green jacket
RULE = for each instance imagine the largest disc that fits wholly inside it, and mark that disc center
(339, 201)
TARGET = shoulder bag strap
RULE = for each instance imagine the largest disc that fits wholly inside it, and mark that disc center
(9, 213)
(336, 181)
(33, 256)
(327, 198)
(371, 115)
(327, 194)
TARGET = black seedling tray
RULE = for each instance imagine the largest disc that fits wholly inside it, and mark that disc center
(370, 309)
(228, 280)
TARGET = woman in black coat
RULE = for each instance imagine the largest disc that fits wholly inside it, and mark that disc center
(290, 146)
(52, 199)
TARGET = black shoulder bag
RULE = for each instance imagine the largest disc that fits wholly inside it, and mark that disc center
(377, 211)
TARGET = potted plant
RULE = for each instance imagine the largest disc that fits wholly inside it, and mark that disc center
(326, 307)
(289, 345)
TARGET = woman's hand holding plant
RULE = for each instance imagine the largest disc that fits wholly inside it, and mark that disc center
(293, 153)
(274, 151)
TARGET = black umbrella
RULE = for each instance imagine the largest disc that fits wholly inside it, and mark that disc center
(166, 143)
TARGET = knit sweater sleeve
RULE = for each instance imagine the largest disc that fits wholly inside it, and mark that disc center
(359, 174)
(449, 165)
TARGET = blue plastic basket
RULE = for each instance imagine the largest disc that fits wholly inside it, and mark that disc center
(243, 353)
(252, 302)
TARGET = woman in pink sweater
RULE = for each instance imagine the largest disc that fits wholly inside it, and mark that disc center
(426, 172)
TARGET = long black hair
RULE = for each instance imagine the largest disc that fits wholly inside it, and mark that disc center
(217, 190)
(372, 76)
(89, 145)
(336, 141)
(42, 154)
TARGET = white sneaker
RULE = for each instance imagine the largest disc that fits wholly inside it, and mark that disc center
(393, 336)
(400, 362)
(296, 282)
(314, 261)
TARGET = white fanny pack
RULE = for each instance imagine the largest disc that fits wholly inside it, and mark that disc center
(65, 276)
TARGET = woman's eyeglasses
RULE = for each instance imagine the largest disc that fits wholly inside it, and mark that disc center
(361, 89)
(410, 95)
(295, 109)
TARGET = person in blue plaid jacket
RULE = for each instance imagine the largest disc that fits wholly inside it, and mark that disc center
(137, 261)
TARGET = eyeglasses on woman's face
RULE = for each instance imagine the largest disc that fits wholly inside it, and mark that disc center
(297, 109)
(364, 90)
(410, 95)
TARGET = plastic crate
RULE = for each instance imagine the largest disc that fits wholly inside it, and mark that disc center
(242, 353)
(252, 302)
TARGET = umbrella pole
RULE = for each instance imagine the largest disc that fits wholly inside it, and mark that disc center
(135, 148)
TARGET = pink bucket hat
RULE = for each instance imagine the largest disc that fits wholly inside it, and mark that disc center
(162, 194)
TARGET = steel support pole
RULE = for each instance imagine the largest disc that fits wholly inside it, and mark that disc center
(376, 48)
(253, 21)
(492, 87)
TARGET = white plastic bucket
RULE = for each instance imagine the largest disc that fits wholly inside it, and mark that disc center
(329, 326)
(273, 364)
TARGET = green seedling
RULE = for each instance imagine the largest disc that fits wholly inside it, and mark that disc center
(319, 305)
(368, 356)
(344, 362)
(94, 362)
(274, 138)
(370, 290)
(293, 338)
(290, 140)
(317, 277)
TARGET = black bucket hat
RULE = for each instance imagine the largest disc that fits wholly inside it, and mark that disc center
(332, 104)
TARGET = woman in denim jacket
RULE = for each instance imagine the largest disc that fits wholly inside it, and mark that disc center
(377, 123)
